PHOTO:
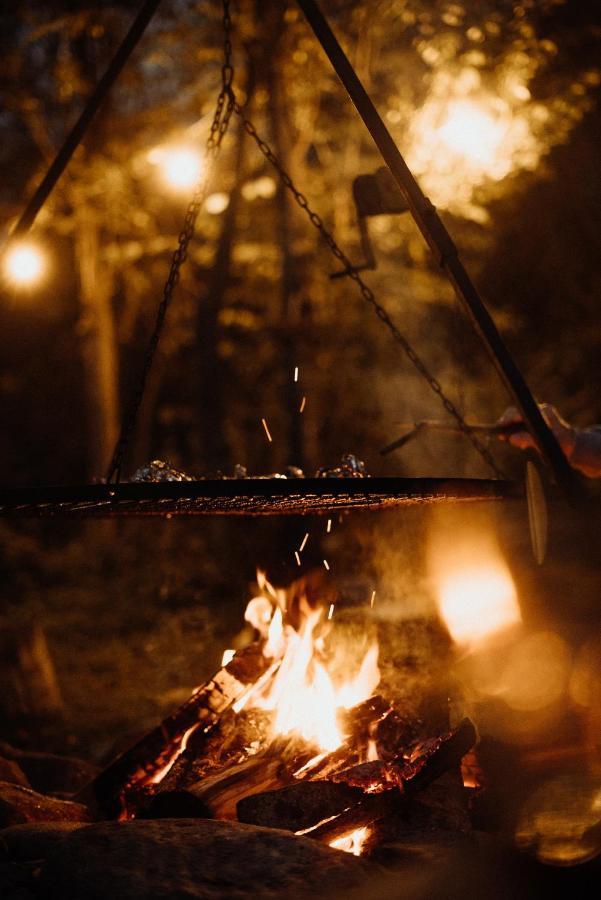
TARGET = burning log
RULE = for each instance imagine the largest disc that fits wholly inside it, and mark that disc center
(299, 806)
(148, 759)
(216, 797)
(427, 761)
(359, 795)
(385, 785)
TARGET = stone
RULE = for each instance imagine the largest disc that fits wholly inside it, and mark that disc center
(19, 805)
(189, 859)
(12, 772)
(37, 840)
(51, 773)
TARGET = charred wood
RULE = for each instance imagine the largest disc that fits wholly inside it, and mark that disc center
(299, 806)
(217, 796)
(145, 760)
(370, 809)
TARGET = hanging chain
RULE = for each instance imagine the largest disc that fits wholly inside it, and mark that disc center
(366, 292)
(221, 120)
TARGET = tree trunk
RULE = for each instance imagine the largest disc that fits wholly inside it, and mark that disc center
(99, 345)
(215, 449)
(279, 129)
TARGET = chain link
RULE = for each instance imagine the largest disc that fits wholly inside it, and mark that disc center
(221, 119)
(366, 292)
(227, 104)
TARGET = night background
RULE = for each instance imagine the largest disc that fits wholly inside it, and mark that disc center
(107, 625)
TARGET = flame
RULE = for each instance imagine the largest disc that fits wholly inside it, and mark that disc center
(227, 657)
(353, 842)
(157, 777)
(303, 695)
(475, 592)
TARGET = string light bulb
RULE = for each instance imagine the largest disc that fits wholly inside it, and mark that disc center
(24, 264)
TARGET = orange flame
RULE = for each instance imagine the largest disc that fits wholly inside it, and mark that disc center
(303, 695)
(353, 842)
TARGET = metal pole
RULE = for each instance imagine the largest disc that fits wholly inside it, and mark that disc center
(76, 134)
(443, 248)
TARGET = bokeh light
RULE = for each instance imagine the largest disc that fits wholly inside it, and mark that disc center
(24, 264)
(472, 584)
(181, 167)
(560, 822)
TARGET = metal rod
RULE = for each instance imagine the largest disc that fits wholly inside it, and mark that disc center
(78, 131)
(412, 430)
(443, 248)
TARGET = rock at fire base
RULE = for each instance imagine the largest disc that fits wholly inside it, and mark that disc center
(50, 773)
(19, 805)
(37, 840)
(185, 858)
(12, 772)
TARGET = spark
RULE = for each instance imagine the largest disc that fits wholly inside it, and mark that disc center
(267, 432)
(326, 564)
(302, 406)
(296, 373)
(331, 611)
(329, 526)
(298, 559)
(304, 543)
(373, 599)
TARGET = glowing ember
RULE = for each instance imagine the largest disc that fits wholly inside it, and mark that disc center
(353, 842)
(160, 774)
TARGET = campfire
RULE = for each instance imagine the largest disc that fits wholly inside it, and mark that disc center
(297, 731)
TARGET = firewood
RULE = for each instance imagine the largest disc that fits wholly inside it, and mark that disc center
(427, 761)
(298, 806)
(142, 762)
(19, 805)
(358, 721)
(385, 786)
(368, 810)
(216, 797)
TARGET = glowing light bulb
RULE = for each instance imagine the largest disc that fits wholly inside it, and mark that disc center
(24, 264)
(181, 167)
